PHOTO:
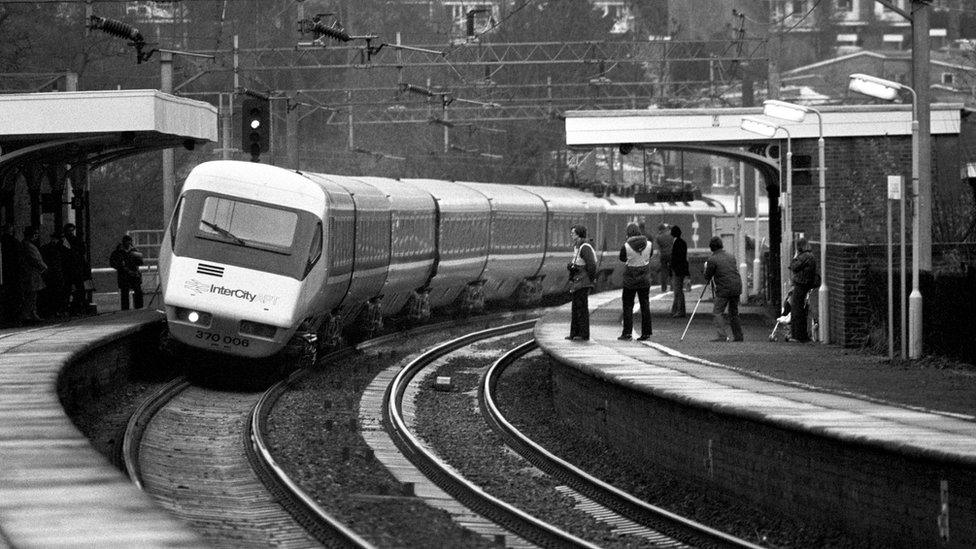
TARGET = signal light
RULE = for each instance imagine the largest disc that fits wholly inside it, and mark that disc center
(256, 126)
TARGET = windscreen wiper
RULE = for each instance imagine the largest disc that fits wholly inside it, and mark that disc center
(224, 232)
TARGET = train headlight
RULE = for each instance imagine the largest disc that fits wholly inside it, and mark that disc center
(258, 329)
(199, 318)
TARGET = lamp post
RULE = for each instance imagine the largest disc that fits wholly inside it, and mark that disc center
(888, 90)
(769, 129)
(796, 113)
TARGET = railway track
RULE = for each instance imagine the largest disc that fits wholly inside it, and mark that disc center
(659, 526)
(628, 516)
(202, 453)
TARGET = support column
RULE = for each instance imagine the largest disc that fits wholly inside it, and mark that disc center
(168, 157)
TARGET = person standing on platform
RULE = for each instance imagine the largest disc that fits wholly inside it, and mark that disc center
(32, 268)
(582, 272)
(636, 253)
(721, 268)
(803, 267)
(54, 298)
(679, 271)
(126, 260)
(664, 241)
(76, 269)
(10, 258)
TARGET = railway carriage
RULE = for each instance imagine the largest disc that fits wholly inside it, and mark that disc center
(461, 240)
(564, 208)
(413, 251)
(259, 258)
(693, 216)
(516, 245)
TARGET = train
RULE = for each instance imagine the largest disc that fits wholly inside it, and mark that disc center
(259, 260)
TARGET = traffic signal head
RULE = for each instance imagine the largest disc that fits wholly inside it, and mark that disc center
(256, 125)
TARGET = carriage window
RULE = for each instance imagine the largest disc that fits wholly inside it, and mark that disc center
(247, 224)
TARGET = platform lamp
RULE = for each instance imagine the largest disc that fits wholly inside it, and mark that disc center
(769, 129)
(796, 113)
(880, 88)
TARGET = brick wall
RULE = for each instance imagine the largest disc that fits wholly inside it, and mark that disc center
(883, 499)
(851, 308)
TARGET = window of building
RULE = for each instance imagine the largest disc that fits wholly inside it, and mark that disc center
(948, 78)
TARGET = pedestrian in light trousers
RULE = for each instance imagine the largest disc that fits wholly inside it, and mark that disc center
(636, 253)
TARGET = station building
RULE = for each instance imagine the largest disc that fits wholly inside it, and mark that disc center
(864, 144)
(50, 142)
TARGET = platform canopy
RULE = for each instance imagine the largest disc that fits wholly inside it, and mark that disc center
(660, 127)
(98, 125)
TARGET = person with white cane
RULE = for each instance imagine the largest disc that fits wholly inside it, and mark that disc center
(721, 268)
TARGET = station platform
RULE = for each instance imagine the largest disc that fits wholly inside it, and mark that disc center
(777, 423)
(56, 490)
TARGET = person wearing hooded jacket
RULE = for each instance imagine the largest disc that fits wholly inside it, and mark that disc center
(636, 253)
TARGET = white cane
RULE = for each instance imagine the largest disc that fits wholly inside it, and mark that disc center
(693, 313)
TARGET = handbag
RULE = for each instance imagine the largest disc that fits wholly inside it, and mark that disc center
(578, 277)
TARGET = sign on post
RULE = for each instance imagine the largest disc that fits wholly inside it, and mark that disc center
(894, 187)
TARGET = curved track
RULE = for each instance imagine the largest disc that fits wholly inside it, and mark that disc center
(526, 526)
(672, 530)
(196, 451)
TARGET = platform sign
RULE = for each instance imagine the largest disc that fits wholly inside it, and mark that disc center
(894, 187)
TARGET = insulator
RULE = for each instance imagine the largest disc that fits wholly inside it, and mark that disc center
(332, 32)
(116, 28)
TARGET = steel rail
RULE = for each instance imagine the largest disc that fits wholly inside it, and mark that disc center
(633, 508)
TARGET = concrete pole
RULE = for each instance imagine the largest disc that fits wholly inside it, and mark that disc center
(291, 137)
(921, 83)
(756, 262)
(740, 234)
(169, 168)
(921, 171)
(226, 118)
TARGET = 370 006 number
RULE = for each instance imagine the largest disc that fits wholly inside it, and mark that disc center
(226, 339)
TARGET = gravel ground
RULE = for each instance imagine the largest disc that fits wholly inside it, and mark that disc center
(336, 466)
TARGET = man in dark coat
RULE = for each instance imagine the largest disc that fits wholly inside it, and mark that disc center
(722, 268)
(679, 271)
(126, 260)
(803, 267)
(53, 299)
(10, 249)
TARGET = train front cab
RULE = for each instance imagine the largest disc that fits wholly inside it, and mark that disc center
(234, 265)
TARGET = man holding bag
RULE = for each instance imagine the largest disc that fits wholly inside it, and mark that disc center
(582, 271)
(636, 253)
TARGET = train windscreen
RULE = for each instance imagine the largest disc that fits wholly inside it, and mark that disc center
(248, 224)
(254, 235)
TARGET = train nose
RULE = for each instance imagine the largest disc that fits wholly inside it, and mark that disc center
(225, 334)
